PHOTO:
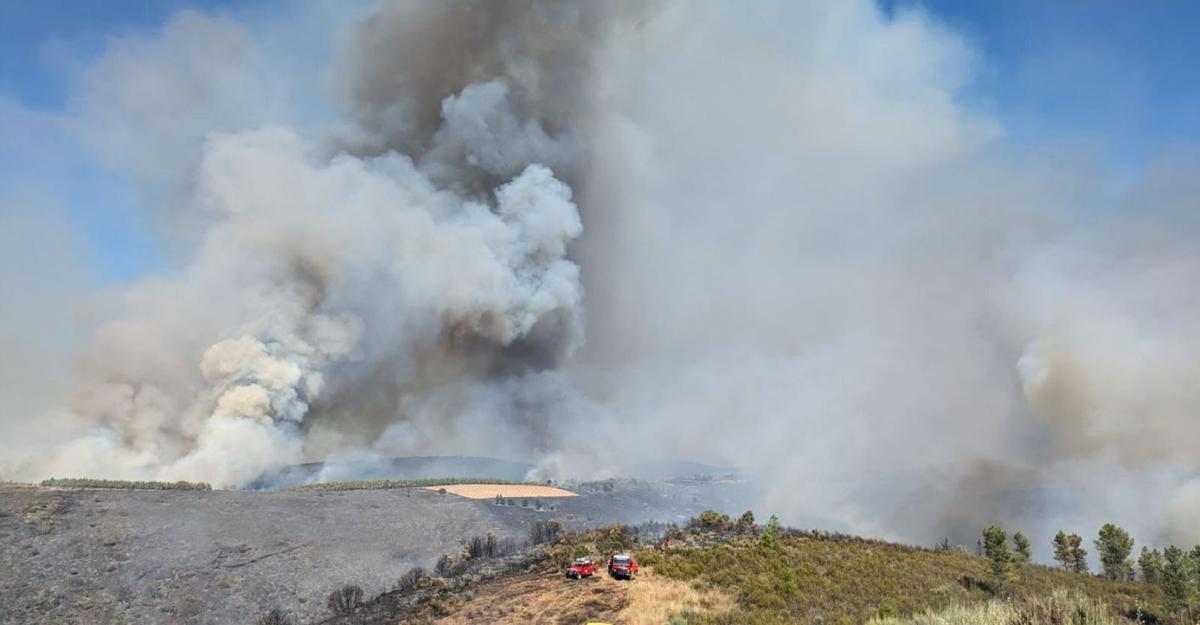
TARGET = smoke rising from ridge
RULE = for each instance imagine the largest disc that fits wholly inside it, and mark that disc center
(771, 237)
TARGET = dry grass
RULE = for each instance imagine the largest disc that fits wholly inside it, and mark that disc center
(655, 600)
(549, 598)
(508, 491)
(1060, 608)
(541, 598)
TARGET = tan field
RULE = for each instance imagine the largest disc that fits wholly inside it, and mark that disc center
(489, 491)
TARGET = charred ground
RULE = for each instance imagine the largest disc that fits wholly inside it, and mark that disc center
(167, 556)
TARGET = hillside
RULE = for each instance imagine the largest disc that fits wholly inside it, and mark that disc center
(150, 555)
(843, 580)
(732, 577)
(198, 556)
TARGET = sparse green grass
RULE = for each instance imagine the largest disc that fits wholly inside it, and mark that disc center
(124, 484)
(840, 580)
(385, 484)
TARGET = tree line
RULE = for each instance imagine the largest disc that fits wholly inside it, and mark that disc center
(1176, 571)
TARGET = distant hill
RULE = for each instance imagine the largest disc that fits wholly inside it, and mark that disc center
(426, 467)
(409, 468)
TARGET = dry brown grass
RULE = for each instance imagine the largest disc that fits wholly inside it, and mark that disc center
(508, 491)
(541, 598)
(549, 598)
(654, 599)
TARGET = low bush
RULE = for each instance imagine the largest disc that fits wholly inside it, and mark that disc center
(345, 600)
(411, 579)
(274, 617)
(712, 521)
(448, 566)
(545, 531)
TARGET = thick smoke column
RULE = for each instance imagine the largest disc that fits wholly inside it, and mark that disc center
(334, 296)
(473, 91)
(800, 251)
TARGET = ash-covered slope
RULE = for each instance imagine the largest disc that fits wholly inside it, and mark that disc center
(200, 557)
(143, 557)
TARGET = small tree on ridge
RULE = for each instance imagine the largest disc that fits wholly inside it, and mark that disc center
(1114, 546)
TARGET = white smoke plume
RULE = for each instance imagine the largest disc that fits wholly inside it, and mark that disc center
(802, 253)
(218, 371)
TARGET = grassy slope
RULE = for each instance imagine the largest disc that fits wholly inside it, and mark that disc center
(1056, 609)
(845, 581)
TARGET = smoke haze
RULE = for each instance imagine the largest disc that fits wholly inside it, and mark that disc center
(770, 236)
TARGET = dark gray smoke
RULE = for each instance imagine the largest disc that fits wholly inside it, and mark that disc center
(474, 91)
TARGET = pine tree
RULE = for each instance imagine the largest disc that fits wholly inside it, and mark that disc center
(770, 536)
(1062, 550)
(1023, 547)
(1078, 555)
(1194, 559)
(1174, 579)
(995, 547)
(1114, 546)
(1151, 565)
(745, 522)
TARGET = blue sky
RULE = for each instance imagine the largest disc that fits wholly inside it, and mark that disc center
(34, 37)
(40, 44)
(1117, 77)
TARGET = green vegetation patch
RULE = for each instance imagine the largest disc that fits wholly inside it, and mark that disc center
(802, 577)
(125, 484)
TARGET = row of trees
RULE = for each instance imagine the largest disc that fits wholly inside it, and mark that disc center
(1069, 552)
(1113, 544)
(1174, 570)
(1005, 562)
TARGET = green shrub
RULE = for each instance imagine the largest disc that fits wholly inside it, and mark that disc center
(810, 576)
(745, 523)
(616, 538)
(712, 521)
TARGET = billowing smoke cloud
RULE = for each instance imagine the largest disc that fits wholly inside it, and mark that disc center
(801, 254)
